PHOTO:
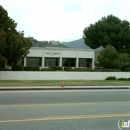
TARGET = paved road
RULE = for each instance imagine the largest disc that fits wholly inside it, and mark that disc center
(63, 110)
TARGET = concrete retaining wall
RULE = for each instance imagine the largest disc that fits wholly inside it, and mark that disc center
(22, 75)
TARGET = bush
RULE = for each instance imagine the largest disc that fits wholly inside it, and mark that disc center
(106, 70)
(31, 68)
(127, 69)
(56, 67)
(47, 69)
(98, 68)
(66, 68)
(122, 79)
(128, 78)
(83, 69)
(110, 70)
(5, 69)
(17, 68)
(111, 78)
(79, 69)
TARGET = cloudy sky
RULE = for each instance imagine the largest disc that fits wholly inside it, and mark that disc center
(62, 20)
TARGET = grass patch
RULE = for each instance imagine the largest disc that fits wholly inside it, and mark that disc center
(66, 82)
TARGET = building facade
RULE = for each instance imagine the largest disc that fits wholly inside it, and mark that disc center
(54, 56)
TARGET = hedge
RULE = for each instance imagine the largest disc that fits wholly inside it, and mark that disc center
(111, 78)
(17, 68)
(31, 68)
(101, 69)
(122, 79)
(127, 70)
(5, 69)
(56, 67)
(91, 70)
(47, 69)
(66, 68)
(79, 69)
(128, 78)
(110, 70)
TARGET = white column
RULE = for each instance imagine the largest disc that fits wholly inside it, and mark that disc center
(92, 64)
(5, 65)
(42, 62)
(60, 58)
(25, 61)
(77, 59)
(77, 62)
(43, 58)
(93, 59)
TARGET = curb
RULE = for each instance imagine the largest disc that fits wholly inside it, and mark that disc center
(93, 88)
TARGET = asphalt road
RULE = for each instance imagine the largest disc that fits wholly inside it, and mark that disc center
(64, 110)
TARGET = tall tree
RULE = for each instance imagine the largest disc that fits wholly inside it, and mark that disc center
(18, 48)
(2, 45)
(15, 45)
(109, 30)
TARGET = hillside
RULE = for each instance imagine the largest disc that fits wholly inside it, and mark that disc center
(79, 44)
(76, 44)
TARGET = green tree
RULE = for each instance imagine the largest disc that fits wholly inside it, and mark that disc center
(109, 30)
(108, 58)
(123, 61)
(2, 45)
(18, 48)
(111, 59)
(15, 45)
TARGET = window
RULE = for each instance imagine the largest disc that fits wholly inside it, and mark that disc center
(51, 62)
(85, 62)
(71, 62)
(34, 61)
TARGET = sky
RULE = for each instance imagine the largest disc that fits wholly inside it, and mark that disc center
(62, 20)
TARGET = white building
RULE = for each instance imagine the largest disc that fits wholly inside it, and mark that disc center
(58, 56)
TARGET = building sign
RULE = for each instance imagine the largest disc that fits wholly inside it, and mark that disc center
(52, 53)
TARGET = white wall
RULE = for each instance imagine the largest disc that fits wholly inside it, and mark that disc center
(69, 53)
(35, 53)
(86, 54)
(27, 75)
(57, 52)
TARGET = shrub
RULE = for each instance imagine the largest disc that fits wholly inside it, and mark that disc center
(99, 68)
(56, 67)
(83, 69)
(17, 68)
(122, 79)
(110, 70)
(127, 69)
(106, 70)
(5, 69)
(128, 78)
(47, 69)
(111, 78)
(79, 69)
(66, 68)
(31, 68)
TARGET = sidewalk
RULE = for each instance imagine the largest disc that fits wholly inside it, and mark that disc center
(2, 88)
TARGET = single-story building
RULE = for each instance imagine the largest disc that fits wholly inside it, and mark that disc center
(53, 56)
(56, 54)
